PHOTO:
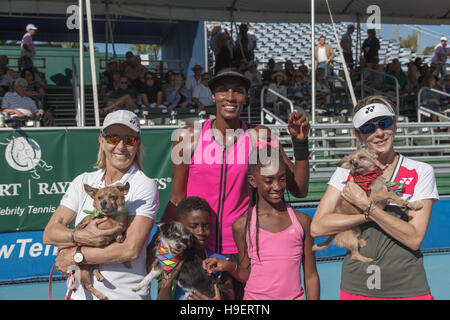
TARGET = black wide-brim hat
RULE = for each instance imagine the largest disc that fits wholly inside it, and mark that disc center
(228, 73)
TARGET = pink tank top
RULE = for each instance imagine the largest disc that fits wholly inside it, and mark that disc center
(275, 275)
(219, 175)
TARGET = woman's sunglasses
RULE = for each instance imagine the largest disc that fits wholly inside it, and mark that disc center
(383, 124)
(115, 139)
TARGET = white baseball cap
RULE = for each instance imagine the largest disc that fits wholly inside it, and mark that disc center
(444, 38)
(125, 117)
(30, 26)
(371, 111)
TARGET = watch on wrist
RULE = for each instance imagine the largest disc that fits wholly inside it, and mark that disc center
(78, 256)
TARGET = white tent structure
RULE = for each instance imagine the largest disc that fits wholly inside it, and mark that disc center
(432, 12)
(398, 12)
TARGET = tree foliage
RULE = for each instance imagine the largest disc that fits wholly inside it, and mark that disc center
(410, 42)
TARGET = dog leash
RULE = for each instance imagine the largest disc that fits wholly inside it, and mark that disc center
(70, 283)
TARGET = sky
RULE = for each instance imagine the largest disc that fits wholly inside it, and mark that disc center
(387, 32)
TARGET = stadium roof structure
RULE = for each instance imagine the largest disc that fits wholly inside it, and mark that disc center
(432, 12)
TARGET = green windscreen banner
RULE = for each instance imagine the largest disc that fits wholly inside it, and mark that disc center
(37, 166)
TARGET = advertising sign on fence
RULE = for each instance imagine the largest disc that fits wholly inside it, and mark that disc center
(37, 167)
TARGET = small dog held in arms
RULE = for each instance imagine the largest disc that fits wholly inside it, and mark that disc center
(366, 172)
(176, 244)
(108, 202)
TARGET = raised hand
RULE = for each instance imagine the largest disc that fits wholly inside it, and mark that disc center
(298, 126)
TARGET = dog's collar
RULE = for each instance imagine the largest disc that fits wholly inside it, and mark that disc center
(167, 260)
(98, 213)
(365, 179)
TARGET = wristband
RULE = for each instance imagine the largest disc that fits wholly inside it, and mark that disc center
(301, 151)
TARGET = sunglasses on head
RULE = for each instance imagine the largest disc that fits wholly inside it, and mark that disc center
(382, 124)
(115, 139)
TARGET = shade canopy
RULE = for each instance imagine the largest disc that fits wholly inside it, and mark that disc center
(433, 12)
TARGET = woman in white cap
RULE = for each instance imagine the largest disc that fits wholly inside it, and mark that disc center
(393, 234)
(119, 161)
(27, 46)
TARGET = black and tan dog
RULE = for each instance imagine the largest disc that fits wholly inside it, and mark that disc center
(175, 243)
(108, 202)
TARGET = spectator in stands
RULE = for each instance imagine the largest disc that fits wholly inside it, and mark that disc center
(355, 74)
(374, 79)
(168, 80)
(129, 61)
(305, 72)
(278, 86)
(256, 82)
(115, 84)
(4, 62)
(202, 96)
(370, 46)
(446, 88)
(224, 57)
(243, 66)
(131, 70)
(441, 52)
(17, 103)
(245, 45)
(323, 90)
(35, 90)
(269, 72)
(178, 95)
(6, 81)
(289, 71)
(27, 46)
(298, 88)
(412, 77)
(216, 34)
(431, 99)
(111, 67)
(195, 79)
(252, 42)
(125, 97)
(418, 62)
(324, 56)
(397, 72)
(140, 82)
(253, 74)
(26, 63)
(346, 44)
(151, 93)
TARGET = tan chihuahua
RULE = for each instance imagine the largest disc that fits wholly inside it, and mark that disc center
(108, 202)
(363, 163)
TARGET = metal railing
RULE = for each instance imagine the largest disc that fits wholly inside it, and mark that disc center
(76, 95)
(264, 111)
(426, 111)
(38, 62)
(397, 87)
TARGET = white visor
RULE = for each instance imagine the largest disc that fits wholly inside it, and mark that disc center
(370, 112)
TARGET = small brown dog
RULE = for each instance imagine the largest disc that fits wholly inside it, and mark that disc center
(363, 163)
(108, 202)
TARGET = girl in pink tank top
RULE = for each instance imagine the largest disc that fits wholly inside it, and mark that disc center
(273, 241)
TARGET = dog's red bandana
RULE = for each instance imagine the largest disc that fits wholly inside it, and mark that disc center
(167, 260)
(365, 179)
